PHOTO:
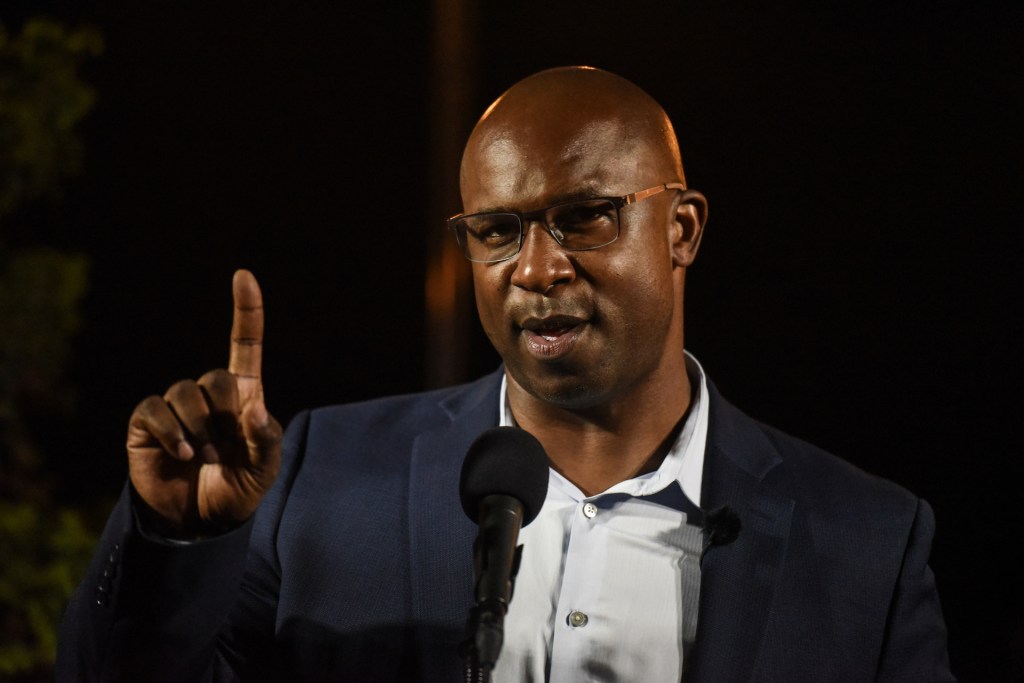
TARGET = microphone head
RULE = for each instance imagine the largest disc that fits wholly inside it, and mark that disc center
(505, 461)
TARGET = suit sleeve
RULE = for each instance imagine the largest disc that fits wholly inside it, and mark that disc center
(915, 647)
(151, 610)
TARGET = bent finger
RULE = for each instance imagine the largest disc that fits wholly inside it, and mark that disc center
(189, 404)
(222, 396)
(221, 390)
(154, 421)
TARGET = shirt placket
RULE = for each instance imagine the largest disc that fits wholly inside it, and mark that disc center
(578, 616)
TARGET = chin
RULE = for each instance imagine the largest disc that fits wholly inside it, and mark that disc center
(571, 398)
(564, 390)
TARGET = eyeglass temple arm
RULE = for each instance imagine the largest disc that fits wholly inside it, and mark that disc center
(644, 194)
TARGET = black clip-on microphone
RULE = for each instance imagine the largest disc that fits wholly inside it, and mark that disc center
(503, 485)
(721, 526)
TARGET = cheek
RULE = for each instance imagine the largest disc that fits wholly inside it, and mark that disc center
(489, 294)
(641, 283)
(641, 296)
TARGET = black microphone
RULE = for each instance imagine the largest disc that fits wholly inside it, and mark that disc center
(503, 485)
(721, 526)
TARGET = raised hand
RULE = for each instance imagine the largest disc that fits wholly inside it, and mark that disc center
(202, 456)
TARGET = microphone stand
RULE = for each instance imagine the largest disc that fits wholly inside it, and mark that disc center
(484, 635)
(484, 626)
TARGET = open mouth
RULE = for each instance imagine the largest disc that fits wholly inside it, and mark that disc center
(553, 333)
(551, 338)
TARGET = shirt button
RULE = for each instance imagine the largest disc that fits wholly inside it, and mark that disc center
(589, 510)
(577, 619)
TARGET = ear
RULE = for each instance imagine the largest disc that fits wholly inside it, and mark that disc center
(690, 216)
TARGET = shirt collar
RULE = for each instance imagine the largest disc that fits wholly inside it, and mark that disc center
(684, 462)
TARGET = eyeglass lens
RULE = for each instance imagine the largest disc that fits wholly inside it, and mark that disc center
(575, 226)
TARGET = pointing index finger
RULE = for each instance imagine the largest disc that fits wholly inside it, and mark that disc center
(246, 357)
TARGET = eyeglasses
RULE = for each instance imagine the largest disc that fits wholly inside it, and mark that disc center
(576, 226)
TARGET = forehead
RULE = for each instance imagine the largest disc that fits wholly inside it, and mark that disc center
(529, 166)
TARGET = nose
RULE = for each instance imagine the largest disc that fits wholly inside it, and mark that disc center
(541, 264)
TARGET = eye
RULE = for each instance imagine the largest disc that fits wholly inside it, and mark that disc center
(583, 217)
(492, 230)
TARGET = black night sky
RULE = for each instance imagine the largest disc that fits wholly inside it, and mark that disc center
(863, 165)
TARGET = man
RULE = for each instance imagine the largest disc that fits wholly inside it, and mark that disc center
(353, 562)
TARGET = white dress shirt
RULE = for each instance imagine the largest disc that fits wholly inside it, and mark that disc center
(608, 585)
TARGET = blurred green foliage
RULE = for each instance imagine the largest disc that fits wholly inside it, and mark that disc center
(40, 294)
(52, 546)
(44, 546)
(42, 99)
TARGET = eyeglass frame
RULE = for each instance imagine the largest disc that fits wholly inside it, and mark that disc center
(540, 216)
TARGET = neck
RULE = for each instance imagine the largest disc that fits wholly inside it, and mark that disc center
(599, 447)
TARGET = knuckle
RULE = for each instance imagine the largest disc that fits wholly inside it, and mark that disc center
(218, 382)
(149, 414)
(215, 375)
(148, 405)
(161, 424)
(181, 391)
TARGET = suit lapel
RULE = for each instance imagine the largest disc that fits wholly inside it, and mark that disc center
(738, 580)
(440, 534)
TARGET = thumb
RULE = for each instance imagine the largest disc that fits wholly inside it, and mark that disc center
(262, 436)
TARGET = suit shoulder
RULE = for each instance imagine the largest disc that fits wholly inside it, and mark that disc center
(795, 467)
(821, 475)
(404, 415)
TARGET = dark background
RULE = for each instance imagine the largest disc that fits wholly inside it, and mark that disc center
(855, 285)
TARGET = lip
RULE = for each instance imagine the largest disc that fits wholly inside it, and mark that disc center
(553, 337)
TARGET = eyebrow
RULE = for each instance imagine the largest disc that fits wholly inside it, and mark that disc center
(587, 192)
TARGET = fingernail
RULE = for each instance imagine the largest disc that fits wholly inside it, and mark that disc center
(185, 451)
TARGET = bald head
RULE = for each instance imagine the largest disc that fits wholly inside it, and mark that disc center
(566, 114)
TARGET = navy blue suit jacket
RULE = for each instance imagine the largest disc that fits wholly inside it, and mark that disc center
(358, 564)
